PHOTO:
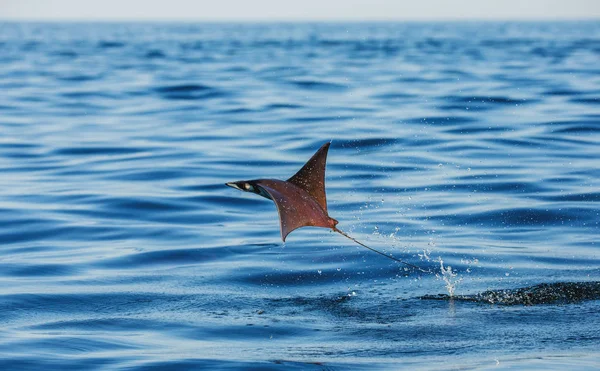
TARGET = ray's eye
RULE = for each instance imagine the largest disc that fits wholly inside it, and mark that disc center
(248, 187)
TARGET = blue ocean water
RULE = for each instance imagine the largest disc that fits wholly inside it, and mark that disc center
(470, 149)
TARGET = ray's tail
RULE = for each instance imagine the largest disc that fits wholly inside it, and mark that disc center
(379, 252)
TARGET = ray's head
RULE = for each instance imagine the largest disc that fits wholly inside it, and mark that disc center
(250, 186)
(244, 185)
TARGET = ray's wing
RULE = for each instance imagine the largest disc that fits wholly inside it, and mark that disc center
(295, 206)
(311, 177)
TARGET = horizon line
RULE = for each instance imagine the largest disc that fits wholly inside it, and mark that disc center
(298, 20)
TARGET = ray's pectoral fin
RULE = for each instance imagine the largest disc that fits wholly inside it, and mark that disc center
(311, 177)
(297, 209)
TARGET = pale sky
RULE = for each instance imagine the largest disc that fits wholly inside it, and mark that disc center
(297, 10)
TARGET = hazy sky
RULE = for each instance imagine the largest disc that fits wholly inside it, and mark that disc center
(273, 10)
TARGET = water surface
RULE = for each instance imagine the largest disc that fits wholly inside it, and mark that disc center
(469, 149)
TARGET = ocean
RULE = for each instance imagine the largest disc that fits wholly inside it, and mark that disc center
(469, 149)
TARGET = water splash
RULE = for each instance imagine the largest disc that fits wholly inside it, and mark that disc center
(449, 276)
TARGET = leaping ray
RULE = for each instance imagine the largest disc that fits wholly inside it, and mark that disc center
(301, 200)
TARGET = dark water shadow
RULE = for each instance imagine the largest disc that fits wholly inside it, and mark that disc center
(544, 293)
